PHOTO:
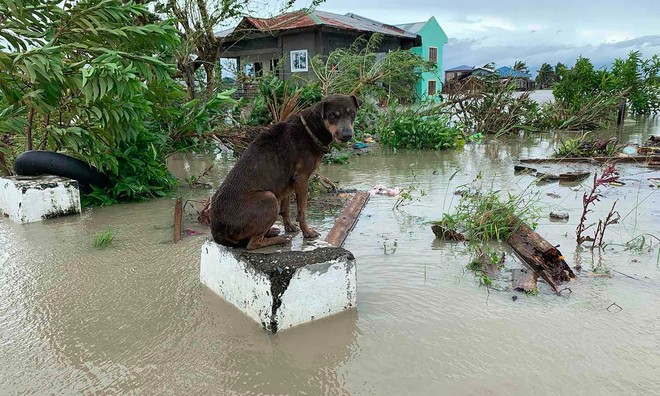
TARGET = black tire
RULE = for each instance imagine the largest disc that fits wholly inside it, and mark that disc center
(37, 162)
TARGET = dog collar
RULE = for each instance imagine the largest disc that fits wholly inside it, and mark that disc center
(316, 140)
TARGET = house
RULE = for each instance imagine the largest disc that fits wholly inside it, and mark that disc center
(522, 80)
(433, 41)
(455, 75)
(463, 71)
(258, 44)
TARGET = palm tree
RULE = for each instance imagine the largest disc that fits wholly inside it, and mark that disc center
(521, 67)
(559, 68)
(546, 76)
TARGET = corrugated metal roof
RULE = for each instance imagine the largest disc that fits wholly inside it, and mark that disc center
(303, 18)
(461, 68)
(413, 27)
(506, 71)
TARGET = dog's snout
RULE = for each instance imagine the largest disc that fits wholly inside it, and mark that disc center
(346, 134)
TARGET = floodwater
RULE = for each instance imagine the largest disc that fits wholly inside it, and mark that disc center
(134, 318)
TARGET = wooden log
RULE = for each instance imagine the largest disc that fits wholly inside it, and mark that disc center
(640, 159)
(443, 232)
(523, 168)
(178, 219)
(573, 176)
(523, 280)
(347, 219)
(545, 259)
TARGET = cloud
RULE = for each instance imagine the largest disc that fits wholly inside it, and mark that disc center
(477, 52)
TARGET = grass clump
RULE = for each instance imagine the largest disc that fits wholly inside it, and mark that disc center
(582, 147)
(103, 239)
(485, 214)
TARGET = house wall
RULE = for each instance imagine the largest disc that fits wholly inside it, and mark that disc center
(432, 36)
(250, 50)
(309, 41)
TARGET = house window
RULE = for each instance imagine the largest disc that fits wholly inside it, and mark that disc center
(258, 69)
(432, 87)
(433, 54)
(273, 64)
(298, 61)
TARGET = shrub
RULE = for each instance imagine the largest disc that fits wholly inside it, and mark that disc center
(409, 128)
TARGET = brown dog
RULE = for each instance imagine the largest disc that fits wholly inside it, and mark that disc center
(277, 163)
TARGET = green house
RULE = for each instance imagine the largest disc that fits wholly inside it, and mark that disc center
(433, 40)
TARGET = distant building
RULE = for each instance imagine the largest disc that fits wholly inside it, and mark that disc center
(258, 44)
(522, 80)
(433, 42)
(455, 76)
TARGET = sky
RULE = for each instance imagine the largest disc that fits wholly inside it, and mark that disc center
(503, 31)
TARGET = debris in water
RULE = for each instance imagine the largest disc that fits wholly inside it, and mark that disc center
(553, 195)
(443, 232)
(524, 280)
(379, 189)
(559, 216)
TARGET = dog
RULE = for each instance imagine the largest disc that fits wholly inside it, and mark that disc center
(276, 164)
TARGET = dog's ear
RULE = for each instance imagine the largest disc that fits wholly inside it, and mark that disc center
(357, 101)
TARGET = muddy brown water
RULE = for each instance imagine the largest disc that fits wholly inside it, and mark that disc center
(134, 318)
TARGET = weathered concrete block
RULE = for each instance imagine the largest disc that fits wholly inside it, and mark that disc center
(284, 289)
(26, 199)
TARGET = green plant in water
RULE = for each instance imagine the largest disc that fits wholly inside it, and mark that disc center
(103, 239)
(410, 128)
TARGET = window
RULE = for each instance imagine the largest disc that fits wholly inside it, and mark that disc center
(258, 69)
(273, 64)
(433, 54)
(298, 61)
(432, 87)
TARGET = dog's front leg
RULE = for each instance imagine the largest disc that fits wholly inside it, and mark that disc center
(301, 185)
(284, 212)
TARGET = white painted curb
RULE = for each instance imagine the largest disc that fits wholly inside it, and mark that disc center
(322, 282)
(26, 199)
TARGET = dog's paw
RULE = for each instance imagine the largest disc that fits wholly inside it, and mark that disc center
(291, 228)
(311, 233)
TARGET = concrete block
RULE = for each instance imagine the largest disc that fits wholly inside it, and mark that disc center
(282, 289)
(25, 199)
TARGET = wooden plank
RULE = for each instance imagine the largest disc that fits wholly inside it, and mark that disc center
(347, 219)
(178, 219)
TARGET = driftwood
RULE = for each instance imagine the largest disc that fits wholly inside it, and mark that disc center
(523, 168)
(545, 259)
(347, 219)
(640, 159)
(573, 176)
(178, 219)
(523, 280)
(446, 233)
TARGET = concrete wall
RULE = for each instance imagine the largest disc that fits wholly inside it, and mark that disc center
(432, 36)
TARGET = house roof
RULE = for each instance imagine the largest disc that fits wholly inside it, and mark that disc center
(308, 18)
(506, 71)
(413, 27)
(460, 68)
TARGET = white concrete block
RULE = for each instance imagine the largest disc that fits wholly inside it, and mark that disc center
(26, 199)
(284, 289)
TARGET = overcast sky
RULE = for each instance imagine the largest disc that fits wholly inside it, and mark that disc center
(502, 31)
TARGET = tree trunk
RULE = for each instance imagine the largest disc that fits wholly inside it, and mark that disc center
(545, 259)
(209, 68)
